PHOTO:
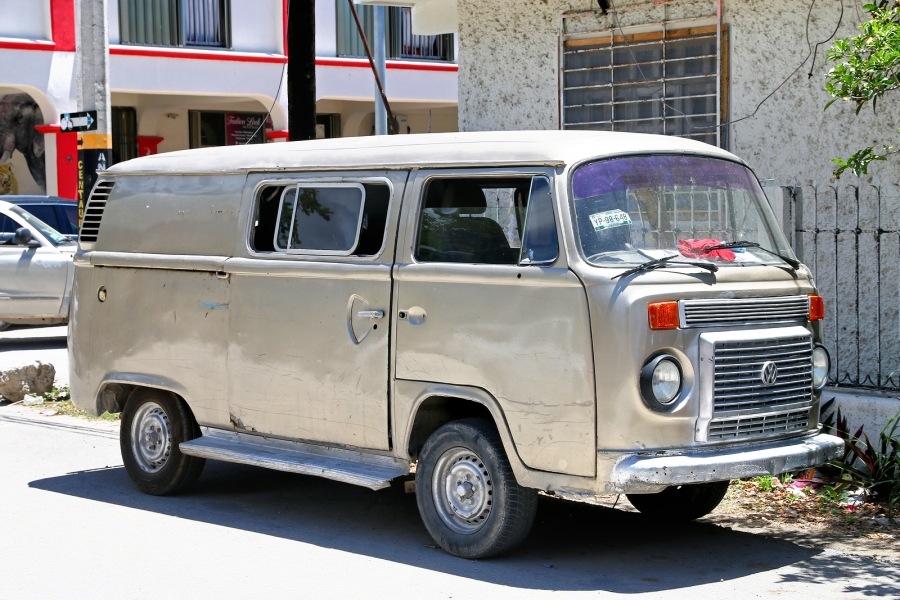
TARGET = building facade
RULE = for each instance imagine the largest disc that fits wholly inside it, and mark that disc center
(193, 73)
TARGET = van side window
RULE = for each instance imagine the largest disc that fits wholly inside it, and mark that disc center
(472, 220)
(540, 244)
(330, 219)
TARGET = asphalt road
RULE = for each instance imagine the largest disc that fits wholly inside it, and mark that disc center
(73, 527)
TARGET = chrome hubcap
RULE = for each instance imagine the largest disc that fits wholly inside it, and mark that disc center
(463, 490)
(151, 437)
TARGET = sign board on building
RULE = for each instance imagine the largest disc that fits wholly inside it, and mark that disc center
(78, 121)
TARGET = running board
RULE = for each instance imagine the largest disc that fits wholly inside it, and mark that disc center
(374, 471)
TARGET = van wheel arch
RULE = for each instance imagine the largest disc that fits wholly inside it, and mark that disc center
(437, 411)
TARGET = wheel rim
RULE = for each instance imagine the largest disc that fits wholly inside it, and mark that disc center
(151, 437)
(463, 490)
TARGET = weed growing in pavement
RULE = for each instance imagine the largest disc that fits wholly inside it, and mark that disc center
(60, 400)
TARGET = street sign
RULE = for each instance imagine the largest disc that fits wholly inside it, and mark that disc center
(78, 121)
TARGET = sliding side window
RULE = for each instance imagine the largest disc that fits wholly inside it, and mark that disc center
(337, 219)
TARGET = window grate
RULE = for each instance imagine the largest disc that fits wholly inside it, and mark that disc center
(663, 83)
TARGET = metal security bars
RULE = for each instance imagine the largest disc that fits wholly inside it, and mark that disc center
(401, 42)
(850, 237)
(663, 82)
(204, 23)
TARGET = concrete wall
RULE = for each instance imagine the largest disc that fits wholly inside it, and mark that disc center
(509, 76)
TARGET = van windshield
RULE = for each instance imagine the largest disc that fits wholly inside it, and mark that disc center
(632, 209)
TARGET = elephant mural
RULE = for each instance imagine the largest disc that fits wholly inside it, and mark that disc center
(19, 113)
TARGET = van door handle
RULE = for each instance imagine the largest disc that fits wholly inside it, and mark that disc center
(370, 314)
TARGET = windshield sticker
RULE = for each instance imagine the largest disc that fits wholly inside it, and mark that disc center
(609, 219)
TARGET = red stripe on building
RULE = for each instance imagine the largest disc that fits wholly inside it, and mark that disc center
(248, 57)
(62, 20)
(391, 64)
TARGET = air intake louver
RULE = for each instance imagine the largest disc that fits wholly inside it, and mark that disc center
(93, 212)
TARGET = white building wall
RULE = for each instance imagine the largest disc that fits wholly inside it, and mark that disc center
(326, 28)
(509, 76)
(258, 26)
(28, 20)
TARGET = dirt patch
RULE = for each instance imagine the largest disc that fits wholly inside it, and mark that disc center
(810, 517)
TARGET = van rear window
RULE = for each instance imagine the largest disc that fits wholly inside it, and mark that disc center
(336, 219)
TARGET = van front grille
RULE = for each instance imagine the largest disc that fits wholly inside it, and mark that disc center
(744, 311)
(759, 425)
(760, 382)
(93, 211)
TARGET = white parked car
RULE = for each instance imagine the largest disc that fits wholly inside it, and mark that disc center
(35, 269)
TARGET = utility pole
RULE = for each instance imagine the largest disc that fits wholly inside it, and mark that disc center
(92, 84)
(301, 73)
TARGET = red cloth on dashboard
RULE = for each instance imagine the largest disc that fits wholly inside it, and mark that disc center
(695, 249)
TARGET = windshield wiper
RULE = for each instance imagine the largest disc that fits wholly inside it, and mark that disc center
(745, 244)
(657, 263)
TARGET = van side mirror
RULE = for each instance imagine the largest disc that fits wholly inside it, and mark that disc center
(24, 237)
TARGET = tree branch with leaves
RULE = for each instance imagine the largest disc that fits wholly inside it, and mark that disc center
(868, 68)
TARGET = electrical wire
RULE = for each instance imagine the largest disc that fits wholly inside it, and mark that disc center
(812, 53)
(277, 91)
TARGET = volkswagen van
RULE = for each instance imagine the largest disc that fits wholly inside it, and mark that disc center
(499, 314)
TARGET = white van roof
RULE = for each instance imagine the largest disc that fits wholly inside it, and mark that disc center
(465, 149)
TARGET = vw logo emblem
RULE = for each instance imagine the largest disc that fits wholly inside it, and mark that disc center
(769, 373)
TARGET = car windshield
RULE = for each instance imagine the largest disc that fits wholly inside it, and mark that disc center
(55, 237)
(634, 209)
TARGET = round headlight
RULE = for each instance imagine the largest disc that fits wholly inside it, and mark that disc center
(661, 382)
(821, 364)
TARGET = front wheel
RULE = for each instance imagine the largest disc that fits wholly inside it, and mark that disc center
(467, 494)
(154, 423)
(681, 502)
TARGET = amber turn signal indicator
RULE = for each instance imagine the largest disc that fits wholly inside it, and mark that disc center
(816, 308)
(663, 315)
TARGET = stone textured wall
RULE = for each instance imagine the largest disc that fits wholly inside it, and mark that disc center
(509, 76)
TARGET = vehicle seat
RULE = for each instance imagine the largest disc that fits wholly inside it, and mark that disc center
(454, 230)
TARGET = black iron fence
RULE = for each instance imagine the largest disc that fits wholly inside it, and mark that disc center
(850, 237)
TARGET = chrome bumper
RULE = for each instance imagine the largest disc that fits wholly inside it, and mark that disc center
(652, 472)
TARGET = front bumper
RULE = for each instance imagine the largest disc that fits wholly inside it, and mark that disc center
(651, 472)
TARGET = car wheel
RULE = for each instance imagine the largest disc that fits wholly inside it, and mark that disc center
(467, 494)
(4, 326)
(154, 423)
(681, 502)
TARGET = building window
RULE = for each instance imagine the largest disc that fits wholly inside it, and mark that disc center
(203, 23)
(124, 134)
(209, 128)
(401, 43)
(663, 82)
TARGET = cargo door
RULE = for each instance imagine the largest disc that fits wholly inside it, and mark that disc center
(484, 299)
(310, 311)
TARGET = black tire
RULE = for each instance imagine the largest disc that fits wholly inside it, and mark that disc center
(154, 423)
(681, 502)
(467, 494)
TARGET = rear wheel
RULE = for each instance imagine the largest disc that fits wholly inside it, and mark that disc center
(4, 326)
(468, 497)
(154, 423)
(681, 502)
